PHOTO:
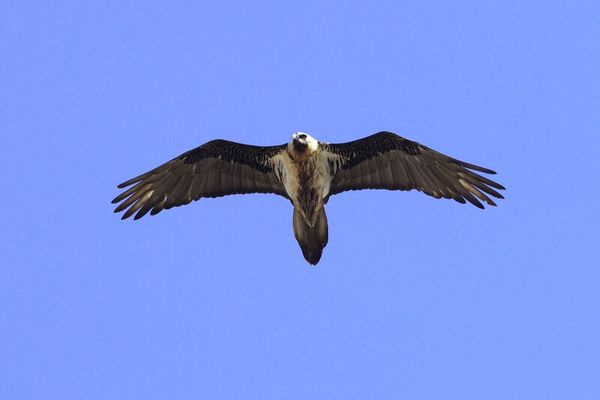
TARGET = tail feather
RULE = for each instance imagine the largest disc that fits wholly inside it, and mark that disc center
(312, 240)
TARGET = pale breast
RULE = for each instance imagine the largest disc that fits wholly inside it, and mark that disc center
(306, 182)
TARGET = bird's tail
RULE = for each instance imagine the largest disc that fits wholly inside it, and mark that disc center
(313, 239)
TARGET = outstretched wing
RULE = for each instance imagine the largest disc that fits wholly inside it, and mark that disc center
(388, 161)
(215, 169)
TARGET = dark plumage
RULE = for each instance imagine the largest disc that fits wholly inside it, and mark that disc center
(388, 161)
(217, 168)
(307, 173)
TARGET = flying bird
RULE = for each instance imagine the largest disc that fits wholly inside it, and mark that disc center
(306, 172)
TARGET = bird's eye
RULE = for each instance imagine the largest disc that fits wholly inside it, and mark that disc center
(302, 136)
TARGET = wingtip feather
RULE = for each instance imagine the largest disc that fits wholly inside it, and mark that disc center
(123, 185)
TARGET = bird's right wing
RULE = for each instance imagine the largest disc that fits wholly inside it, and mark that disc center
(388, 161)
(217, 168)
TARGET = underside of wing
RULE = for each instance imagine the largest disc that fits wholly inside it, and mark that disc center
(388, 161)
(215, 169)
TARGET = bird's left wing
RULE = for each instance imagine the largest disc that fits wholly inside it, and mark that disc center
(388, 161)
(217, 168)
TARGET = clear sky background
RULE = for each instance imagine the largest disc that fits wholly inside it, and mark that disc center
(414, 297)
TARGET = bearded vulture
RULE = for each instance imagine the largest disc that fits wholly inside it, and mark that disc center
(306, 172)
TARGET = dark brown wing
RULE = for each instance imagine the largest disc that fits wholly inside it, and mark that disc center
(388, 161)
(215, 169)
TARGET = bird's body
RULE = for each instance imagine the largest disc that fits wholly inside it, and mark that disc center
(307, 172)
(306, 177)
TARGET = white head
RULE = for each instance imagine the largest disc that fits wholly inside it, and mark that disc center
(302, 141)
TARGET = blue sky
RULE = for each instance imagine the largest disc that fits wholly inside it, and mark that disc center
(413, 298)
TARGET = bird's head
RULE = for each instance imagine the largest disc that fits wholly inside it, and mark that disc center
(303, 143)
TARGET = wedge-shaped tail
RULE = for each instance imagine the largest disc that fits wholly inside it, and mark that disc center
(312, 240)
